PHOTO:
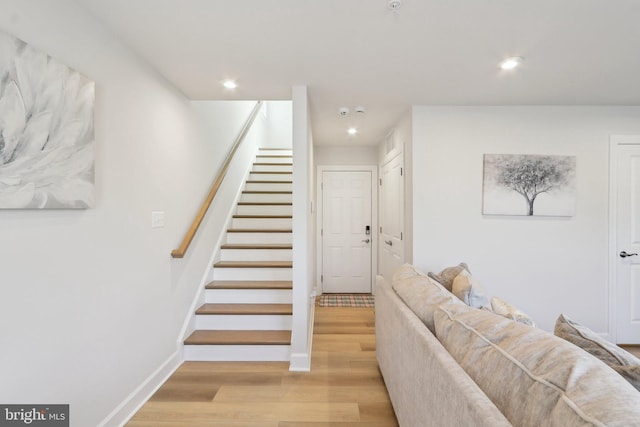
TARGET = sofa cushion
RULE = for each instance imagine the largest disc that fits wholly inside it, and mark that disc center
(532, 376)
(623, 362)
(470, 292)
(446, 276)
(420, 293)
(507, 310)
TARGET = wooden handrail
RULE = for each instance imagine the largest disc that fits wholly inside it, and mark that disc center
(180, 251)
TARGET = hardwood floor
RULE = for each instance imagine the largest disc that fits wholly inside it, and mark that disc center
(344, 387)
(633, 349)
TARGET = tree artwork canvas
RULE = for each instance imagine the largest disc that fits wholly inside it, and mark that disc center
(529, 185)
(46, 131)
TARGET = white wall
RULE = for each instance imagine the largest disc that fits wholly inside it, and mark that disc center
(280, 125)
(545, 266)
(91, 304)
(347, 155)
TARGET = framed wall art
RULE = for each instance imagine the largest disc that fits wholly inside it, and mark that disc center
(531, 185)
(46, 131)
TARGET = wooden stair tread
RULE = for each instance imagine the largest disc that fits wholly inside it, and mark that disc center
(239, 338)
(265, 203)
(271, 164)
(241, 309)
(250, 284)
(275, 156)
(253, 264)
(275, 148)
(259, 230)
(274, 172)
(266, 192)
(257, 246)
(264, 216)
(265, 181)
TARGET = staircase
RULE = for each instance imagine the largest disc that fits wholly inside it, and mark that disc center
(247, 313)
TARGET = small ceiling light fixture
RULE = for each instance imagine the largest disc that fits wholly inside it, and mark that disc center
(352, 131)
(394, 5)
(229, 84)
(511, 63)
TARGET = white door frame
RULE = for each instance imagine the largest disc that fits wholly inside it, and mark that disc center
(374, 217)
(614, 142)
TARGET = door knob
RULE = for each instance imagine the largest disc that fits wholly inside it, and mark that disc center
(389, 242)
(366, 241)
(624, 254)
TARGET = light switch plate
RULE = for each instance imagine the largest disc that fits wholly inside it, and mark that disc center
(157, 219)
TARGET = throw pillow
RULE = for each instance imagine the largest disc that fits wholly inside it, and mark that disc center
(421, 294)
(532, 376)
(446, 276)
(623, 362)
(507, 310)
(467, 288)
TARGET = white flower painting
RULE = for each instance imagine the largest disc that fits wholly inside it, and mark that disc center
(46, 131)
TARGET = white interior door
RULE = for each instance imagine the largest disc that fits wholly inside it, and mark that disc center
(391, 217)
(626, 173)
(346, 245)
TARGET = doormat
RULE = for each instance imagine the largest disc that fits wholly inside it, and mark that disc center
(346, 300)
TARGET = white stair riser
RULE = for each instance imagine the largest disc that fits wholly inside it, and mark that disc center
(256, 255)
(267, 152)
(245, 322)
(252, 274)
(266, 197)
(263, 159)
(259, 238)
(264, 210)
(269, 223)
(268, 186)
(248, 296)
(257, 176)
(272, 168)
(239, 353)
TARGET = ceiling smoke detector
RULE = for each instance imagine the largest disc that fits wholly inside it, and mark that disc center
(344, 111)
(360, 109)
(394, 4)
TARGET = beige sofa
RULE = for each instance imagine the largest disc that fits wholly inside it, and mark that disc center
(429, 387)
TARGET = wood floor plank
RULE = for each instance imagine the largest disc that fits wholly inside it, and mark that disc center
(270, 411)
(225, 423)
(302, 393)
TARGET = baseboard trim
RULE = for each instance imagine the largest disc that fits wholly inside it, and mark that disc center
(128, 408)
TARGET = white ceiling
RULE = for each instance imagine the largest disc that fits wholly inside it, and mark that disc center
(357, 52)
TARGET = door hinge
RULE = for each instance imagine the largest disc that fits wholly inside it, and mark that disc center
(401, 235)
(321, 232)
(321, 278)
(380, 229)
(380, 181)
(322, 185)
(400, 171)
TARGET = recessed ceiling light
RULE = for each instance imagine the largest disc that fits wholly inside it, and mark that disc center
(352, 131)
(229, 84)
(394, 4)
(511, 63)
